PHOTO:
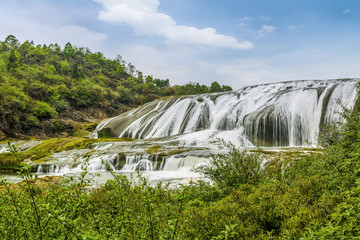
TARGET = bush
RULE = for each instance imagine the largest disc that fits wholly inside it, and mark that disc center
(30, 122)
(234, 168)
(57, 126)
(61, 104)
(84, 96)
(43, 110)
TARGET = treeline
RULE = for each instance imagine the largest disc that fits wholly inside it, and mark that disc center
(196, 88)
(42, 82)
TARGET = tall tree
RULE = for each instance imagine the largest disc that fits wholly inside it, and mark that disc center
(13, 60)
(215, 87)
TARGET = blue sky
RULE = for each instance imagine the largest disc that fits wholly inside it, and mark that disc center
(234, 42)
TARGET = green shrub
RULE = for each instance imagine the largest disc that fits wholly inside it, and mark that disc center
(43, 110)
(234, 168)
(61, 104)
(57, 126)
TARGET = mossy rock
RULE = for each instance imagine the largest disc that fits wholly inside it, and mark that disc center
(106, 133)
(153, 149)
(90, 126)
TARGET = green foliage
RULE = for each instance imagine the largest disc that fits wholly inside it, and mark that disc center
(68, 50)
(60, 104)
(191, 88)
(43, 110)
(105, 133)
(233, 169)
(13, 61)
(226, 88)
(215, 87)
(57, 126)
(65, 67)
(84, 96)
(196, 88)
(3, 68)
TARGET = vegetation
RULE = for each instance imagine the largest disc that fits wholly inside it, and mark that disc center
(40, 84)
(307, 196)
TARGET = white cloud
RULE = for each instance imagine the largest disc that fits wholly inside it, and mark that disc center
(346, 11)
(267, 29)
(264, 18)
(144, 17)
(244, 19)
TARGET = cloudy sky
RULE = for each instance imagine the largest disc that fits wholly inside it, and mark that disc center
(234, 42)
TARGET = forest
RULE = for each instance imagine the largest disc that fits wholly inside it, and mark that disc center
(46, 90)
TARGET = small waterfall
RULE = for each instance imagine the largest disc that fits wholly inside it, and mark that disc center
(178, 163)
(279, 114)
(140, 163)
(96, 162)
(40, 169)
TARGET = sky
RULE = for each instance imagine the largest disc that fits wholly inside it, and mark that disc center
(233, 42)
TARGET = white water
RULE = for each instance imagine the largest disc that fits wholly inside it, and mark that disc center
(138, 163)
(173, 170)
(101, 162)
(279, 114)
(174, 163)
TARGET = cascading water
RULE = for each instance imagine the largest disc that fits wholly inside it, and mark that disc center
(176, 134)
(279, 114)
(99, 162)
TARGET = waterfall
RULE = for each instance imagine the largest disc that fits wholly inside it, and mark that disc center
(177, 163)
(139, 163)
(102, 161)
(279, 114)
(94, 162)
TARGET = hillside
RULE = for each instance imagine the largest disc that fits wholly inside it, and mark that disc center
(48, 91)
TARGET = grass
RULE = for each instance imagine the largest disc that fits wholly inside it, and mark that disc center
(84, 129)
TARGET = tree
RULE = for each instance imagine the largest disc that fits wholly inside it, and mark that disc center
(65, 67)
(215, 87)
(3, 66)
(13, 60)
(11, 41)
(24, 48)
(75, 72)
(161, 83)
(226, 88)
(43, 110)
(68, 50)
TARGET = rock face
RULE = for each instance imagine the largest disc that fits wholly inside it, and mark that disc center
(69, 123)
(280, 114)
